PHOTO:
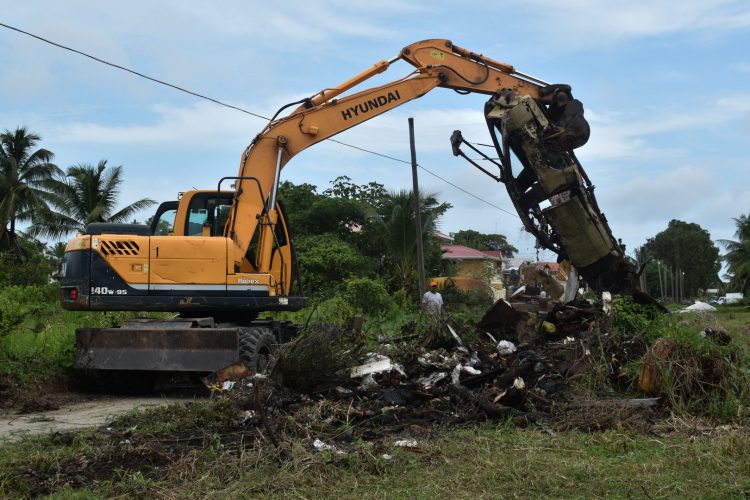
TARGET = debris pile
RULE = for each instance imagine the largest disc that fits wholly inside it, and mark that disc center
(517, 365)
(530, 361)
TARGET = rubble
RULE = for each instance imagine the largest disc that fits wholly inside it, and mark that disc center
(522, 362)
(376, 363)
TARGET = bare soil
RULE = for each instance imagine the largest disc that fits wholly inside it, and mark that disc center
(94, 412)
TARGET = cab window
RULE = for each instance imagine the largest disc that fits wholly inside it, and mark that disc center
(205, 211)
(165, 224)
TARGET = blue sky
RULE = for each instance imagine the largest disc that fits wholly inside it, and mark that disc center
(664, 85)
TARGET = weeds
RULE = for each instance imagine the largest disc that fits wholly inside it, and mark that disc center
(696, 374)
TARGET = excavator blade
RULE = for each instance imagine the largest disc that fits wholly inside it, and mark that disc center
(183, 349)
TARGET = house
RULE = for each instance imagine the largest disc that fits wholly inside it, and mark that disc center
(476, 269)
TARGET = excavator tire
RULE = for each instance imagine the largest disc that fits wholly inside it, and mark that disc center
(257, 346)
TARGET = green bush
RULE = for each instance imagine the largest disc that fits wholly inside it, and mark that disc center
(19, 303)
(26, 264)
(367, 296)
(335, 311)
(465, 307)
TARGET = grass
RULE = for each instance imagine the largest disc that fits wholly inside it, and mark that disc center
(506, 462)
(490, 461)
(45, 345)
(736, 321)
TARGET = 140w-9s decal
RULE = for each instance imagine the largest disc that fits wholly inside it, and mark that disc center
(103, 290)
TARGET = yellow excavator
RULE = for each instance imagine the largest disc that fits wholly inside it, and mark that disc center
(220, 257)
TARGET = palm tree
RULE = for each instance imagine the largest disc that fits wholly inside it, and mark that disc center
(396, 230)
(738, 254)
(23, 173)
(55, 255)
(86, 194)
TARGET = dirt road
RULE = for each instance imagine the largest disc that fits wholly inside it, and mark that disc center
(78, 415)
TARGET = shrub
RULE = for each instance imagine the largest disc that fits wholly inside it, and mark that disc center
(368, 296)
(19, 303)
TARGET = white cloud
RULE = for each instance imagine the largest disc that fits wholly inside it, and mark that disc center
(296, 20)
(732, 104)
(665, 195)
(642, 206)
(581, 21)
(202, 125)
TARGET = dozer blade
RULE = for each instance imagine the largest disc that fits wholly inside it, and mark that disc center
(185, 349)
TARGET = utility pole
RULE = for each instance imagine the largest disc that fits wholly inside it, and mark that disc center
(661, 285)
(682, 285)
(417, 210)
(674, 285)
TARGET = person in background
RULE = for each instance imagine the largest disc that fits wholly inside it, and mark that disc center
(432, 301)
(514, 280)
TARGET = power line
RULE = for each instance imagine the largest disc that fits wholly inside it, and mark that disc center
(429, 172)
(236, 108)
(134, 72)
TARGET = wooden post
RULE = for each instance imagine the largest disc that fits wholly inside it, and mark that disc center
(661, 284)
(417, 211)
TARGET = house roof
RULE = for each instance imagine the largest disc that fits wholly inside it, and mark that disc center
(494, 253)
(442, 236)
(460, 252)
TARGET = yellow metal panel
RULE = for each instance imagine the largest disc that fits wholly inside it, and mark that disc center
(188, 260)
(80, 242)
(127, 255)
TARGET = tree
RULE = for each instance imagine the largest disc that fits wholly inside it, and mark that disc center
(55, 254)
(23, 173)
(395, 231)
(84, 195)
(738, 255)
(686, 248)
(372, 193)
(377, 225)
(310, 213)
(326, 261)
(26, 265)
(479, 241)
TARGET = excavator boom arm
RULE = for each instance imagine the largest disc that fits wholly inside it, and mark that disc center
(438, 63)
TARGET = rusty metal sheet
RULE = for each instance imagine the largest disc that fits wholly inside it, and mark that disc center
(191, 349)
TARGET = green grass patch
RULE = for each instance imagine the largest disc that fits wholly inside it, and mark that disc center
(736, 322)
(490, 461)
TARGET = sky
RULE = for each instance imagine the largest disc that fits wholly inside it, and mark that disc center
(664, 85)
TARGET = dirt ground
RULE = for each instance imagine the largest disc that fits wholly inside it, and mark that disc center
(75, 415)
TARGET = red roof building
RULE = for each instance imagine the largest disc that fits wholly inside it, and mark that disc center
(460, 252)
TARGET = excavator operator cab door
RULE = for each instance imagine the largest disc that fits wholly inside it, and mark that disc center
(191, 258)
(207, 213)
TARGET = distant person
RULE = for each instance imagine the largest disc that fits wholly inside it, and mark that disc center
(515, 280)
(432, 301)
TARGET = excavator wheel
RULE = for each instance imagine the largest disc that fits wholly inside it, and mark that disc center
(257, 347)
